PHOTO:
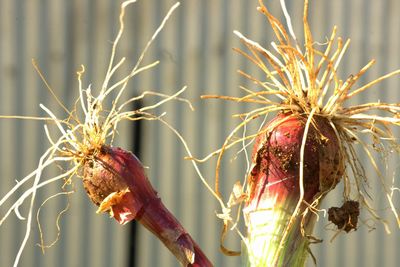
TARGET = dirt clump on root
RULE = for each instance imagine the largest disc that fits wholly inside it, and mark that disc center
(346, 216)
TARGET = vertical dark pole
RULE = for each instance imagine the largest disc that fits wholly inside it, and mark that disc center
(136, 149)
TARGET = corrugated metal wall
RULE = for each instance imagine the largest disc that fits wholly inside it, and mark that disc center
(195, 50)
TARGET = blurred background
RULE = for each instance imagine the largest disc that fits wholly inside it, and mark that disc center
(195, 50)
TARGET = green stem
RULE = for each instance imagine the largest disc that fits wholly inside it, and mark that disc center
(271, 241)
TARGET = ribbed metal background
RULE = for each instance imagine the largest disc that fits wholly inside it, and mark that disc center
(195, 50)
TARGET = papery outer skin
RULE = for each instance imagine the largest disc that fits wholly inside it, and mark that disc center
(117, 170)
(276, 157)
(274, 189)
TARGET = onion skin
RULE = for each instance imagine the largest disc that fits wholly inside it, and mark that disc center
(274, 187)
(276, 155)
(116, 182)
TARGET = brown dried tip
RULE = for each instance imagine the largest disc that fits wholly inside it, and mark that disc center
(345, 217)
(115, 181)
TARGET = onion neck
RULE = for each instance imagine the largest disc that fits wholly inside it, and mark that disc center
(273, 239)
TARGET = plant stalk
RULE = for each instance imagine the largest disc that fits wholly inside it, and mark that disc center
(274, 239)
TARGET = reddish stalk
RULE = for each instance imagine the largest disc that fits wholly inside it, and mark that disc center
(116, 182)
